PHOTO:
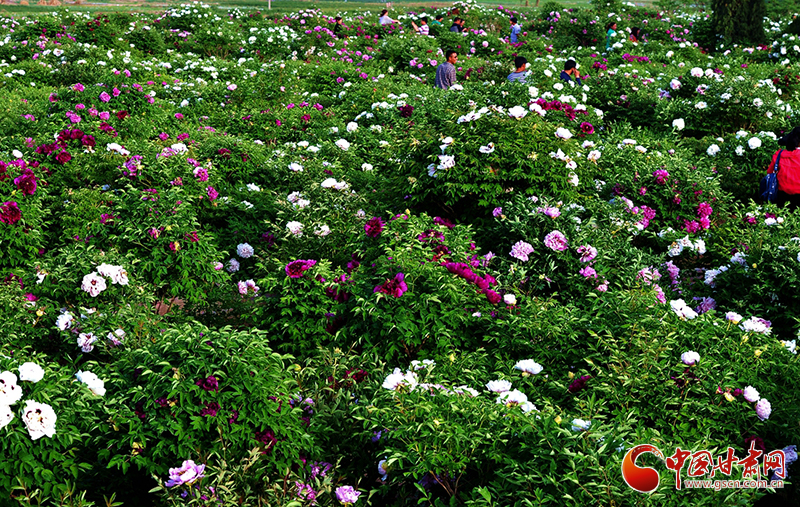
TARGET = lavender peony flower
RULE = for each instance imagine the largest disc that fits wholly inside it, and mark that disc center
(187, 474)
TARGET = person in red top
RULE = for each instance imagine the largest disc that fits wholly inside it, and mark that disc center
(788, 169)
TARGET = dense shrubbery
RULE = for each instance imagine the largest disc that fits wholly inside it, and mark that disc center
(245, 262)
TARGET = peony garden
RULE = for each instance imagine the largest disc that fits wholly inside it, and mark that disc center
(248, 258)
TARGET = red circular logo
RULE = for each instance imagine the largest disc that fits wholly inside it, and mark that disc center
(642, 479)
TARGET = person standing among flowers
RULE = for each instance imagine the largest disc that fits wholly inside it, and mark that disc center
(611, 31)
(515, 31)
(446, 72)
(437, 21)
(788, 169)
(634, 35)
(337, 28)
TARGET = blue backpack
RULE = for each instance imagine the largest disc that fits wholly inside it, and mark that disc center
(768, 188)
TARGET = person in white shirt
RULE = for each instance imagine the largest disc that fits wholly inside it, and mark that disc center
(423, 28)
(385, 19)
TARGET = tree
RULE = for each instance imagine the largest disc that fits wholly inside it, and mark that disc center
(739, 20)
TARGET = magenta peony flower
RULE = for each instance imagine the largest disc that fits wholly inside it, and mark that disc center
(10, 213)
(212, 193)
(105, 97)
(296, 269)
(661, 176)
(588, 253)
(556, 241)
(374, 227)
(26, 182)
(394, 287)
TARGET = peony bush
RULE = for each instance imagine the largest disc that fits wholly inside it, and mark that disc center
(248, 261)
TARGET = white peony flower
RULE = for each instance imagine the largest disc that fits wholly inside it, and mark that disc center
(30, 372)
(343, 144)
(498, 386)
(678, 124)
(85, 342)
(94, 284)
(244, 250)
(712, 150)
(39, 419)
(294, 166)
(581, 425)
(682, 310)
(6, 416)
(398, 380)
(487, 149)
(510, 299)
(352, 126)
(10, 391)
(529, 367)
(95, 385)
(295, 228)
(512, 398)
(563, 133)
(754, 143)
(366, 167)
(517, 112)
(696, 72)
(64, 321)
(593, 155)
(116, 273)
(690, 358)
(751, 395)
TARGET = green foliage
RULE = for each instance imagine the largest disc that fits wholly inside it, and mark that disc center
(740, 21)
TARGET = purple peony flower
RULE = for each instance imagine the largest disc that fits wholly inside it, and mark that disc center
(521, 250)
(347, 495)
(587, 252)
(187, 474)
(26, 182)
(763, 409)
(210, 409)
(579, 384)
(295, 269)
(374, 227)
(209, 383)
(556, 241)
(212, 193)
(661, 176)
(394, 287)
(10, 213)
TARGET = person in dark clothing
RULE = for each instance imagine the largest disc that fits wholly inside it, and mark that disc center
(634, 35)
(570, 71)
(458, 25)
(788, 170)
(337, 28)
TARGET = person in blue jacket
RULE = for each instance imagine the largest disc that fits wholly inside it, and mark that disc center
(570, 71)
